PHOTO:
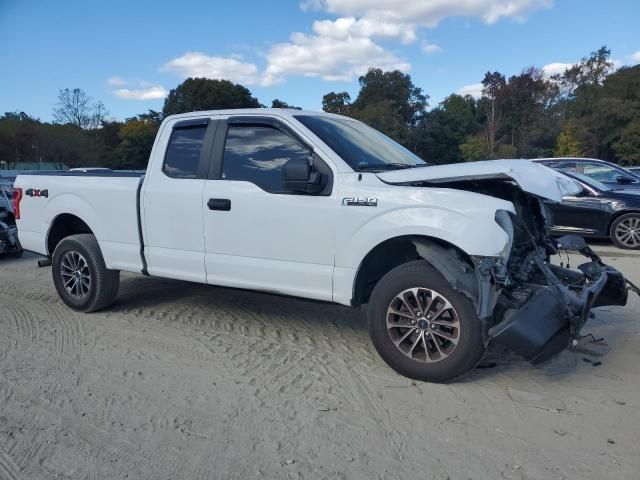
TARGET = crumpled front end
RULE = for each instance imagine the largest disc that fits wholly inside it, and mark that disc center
(531, 306)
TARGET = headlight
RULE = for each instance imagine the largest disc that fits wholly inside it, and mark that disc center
(503, 218)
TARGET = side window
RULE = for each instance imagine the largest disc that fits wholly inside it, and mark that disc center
(183, 152)
(257, 153)
(562, 165)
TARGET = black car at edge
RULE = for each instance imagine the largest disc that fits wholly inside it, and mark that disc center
(599, 211)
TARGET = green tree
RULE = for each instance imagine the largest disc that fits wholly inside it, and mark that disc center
(203, 94)
(603, 112)
(137, 135)
(338, 103)
(474, 148)
(440, 132)
(395, 88)
(276, 103)
(388, 101)
(568, 144)
(627, 147)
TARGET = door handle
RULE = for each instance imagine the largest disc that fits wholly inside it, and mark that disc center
(223, 204)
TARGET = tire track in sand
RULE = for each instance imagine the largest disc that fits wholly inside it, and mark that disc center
(68, 333)
(8, 469)
(22, 318)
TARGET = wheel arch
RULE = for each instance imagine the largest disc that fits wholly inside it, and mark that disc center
(618, 215)
(63, 226)
(451, 261)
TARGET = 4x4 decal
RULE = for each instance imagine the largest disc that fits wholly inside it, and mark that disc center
(33, 192)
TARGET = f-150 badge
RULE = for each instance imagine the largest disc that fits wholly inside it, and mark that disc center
(360, 202)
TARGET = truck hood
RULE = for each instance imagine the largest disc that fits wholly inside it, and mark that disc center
(531, 177)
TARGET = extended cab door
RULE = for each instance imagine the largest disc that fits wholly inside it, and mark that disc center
(259, 235)
(172, 200)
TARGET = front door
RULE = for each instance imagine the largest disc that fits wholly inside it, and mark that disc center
(581, 214)
(257, 234)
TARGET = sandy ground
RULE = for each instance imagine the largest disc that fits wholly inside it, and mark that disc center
(179, 380)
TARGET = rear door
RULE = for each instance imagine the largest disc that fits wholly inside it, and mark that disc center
(257, 234)
(172, 201)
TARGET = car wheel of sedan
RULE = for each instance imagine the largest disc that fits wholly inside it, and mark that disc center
(80, 276)
(422, 327)
(625, 231)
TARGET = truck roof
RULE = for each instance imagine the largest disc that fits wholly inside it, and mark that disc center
(281, 112)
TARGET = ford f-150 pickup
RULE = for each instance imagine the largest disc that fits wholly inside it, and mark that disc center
(446, 258)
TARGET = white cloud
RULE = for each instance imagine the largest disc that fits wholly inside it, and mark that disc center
(636, 57)
(116, 81)
(475, 90)
(556, 68)
(429, 13)
(196, 64)
(153, 92)
(430, 48)
(329, 58)
(342, 28)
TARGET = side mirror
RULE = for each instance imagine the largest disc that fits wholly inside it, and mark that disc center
(298, 176)
(624, 180)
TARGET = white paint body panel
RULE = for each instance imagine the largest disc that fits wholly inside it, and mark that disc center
(106, 205)
(308, 246)
(275, 242)
(546, 183)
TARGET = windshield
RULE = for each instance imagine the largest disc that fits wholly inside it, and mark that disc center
(361, 146)
(588, 181)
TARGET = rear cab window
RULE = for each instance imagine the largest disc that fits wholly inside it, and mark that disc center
(182, 157)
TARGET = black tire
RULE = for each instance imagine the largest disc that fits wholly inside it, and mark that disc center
(632, 222)
(464, 356)
(103, 283)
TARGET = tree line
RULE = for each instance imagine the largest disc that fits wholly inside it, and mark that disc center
(588, 110)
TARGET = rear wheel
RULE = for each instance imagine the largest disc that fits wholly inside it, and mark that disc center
(625, 231)
(80, 276)
(422, 327)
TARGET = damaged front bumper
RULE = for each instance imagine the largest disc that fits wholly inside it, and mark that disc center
(540, 318)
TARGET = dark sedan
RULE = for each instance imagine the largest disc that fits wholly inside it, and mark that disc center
(599, 211)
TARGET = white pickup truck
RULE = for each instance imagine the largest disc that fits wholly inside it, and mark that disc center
(446, 258)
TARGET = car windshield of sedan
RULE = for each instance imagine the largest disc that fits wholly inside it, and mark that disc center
(589, 181)
(606, 173)
(362, 147)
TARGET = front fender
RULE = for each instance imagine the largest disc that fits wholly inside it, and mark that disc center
(476, 233)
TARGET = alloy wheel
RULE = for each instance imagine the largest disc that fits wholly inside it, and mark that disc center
(75, 273)
(627, 232)
(423, 325)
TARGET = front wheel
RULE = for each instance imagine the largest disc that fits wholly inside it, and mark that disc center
(80, 276)
(422, 327)
(625, 231)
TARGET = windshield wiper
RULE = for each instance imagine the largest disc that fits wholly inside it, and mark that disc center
(383, 166)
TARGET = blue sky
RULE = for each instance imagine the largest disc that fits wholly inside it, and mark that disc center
(128, 54)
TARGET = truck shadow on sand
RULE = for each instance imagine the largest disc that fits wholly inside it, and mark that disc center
(184, 303)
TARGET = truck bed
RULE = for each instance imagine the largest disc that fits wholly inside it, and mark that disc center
(108, 202)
